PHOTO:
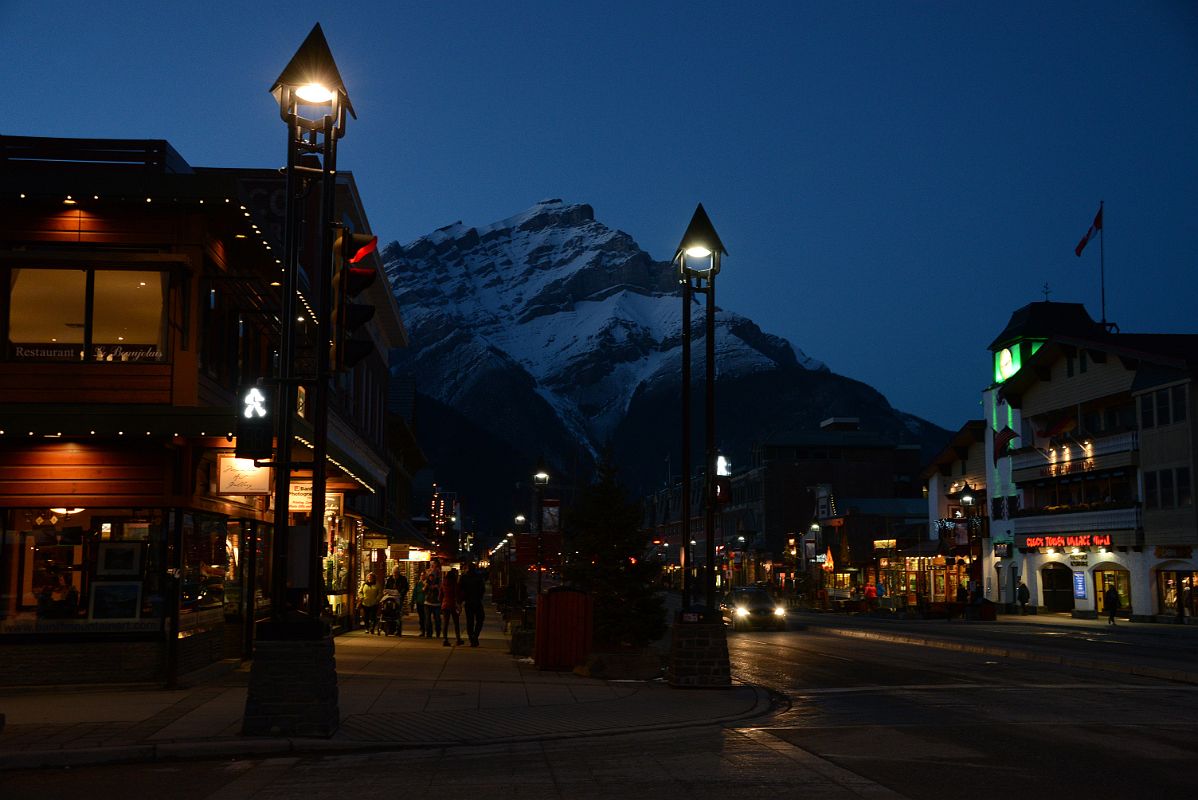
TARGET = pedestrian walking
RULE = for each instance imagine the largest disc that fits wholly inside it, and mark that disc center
(432, 600)
(1110, 600)
(473, 586)
(871, 596)
(1023, 596)
(418, 604)
(398, 583)
(370, 593)
(451, 603)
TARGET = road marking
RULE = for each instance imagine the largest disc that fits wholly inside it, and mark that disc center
(854, 783)
(263, 774)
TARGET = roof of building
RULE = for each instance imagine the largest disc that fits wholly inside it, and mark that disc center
(1044, 320)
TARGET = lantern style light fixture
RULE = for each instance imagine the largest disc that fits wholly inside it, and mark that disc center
(310, 90)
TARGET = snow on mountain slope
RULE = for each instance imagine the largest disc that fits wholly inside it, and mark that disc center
(576, 306)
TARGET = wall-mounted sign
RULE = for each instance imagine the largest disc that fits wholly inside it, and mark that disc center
(1069, 540)
(300, 499)
(239, 476)
(1079, 559)
(1002, 550)
(375, 543)
(1079, 586)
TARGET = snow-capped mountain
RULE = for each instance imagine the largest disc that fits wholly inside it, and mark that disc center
(549, 333)
(574, 304)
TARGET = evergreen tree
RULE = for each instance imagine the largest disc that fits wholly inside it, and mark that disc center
(607, 558)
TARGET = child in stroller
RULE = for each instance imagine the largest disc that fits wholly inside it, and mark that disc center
(389, 616)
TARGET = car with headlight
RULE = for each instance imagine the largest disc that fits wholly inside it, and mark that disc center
(752, 607)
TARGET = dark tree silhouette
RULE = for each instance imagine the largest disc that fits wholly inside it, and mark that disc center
(607, 559)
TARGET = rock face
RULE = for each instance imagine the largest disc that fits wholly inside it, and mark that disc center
(557, 335)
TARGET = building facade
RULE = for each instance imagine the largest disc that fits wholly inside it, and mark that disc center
(1091, 443)
(137, 294)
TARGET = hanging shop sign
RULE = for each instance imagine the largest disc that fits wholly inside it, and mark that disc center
(375, 543)
(239, 476)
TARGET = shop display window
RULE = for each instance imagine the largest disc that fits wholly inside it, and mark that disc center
(69, 569)
(202, 571)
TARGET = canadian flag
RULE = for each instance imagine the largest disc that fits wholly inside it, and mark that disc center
(1094, 229)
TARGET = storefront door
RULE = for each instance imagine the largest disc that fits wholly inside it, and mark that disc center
(1056, 582)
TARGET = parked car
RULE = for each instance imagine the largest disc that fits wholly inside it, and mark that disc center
(752, 607)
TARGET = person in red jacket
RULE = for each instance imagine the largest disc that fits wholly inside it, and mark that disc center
(451, 603)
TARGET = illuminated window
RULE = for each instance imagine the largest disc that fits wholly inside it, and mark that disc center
(86, 315)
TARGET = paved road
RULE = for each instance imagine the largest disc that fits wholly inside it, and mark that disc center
(936, 723)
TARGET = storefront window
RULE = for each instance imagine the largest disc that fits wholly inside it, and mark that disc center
(1169, 584)
(202, 568)
(49, 316)
(68, 569)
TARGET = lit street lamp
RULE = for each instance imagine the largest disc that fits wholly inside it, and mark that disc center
(313, 102)
(540, 480)
(698, 261)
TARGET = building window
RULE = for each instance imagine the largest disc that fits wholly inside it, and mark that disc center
(1162, 408)
(1185, 494)
(1179, 403)
(1151, 496)
(1147, 420)
(87, 315)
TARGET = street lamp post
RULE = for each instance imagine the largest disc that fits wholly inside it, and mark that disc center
(698, 260)
(540, 480)
(313, 102)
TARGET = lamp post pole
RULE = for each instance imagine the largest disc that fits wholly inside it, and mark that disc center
(685, 506)
(540, 480)
(698, 257)
(309, 82)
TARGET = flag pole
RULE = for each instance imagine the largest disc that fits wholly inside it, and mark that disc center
(1102, 264)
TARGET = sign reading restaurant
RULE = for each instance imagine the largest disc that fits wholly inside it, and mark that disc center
(1070, 540)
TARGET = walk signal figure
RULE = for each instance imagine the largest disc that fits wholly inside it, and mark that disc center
(351, 276)
(255, 423)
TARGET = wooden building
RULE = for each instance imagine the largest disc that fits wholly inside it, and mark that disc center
(137, 293)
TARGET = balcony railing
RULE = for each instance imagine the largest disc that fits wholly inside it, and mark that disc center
(1065, 519)
(1076, 451)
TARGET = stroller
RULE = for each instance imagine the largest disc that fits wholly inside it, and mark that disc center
(389, 619)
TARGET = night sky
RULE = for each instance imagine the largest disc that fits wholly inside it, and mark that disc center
(891, 179)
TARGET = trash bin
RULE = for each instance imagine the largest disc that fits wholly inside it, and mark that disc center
(564, 627)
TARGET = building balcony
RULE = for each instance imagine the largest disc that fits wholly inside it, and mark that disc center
(1066, 519)
(1075, 457)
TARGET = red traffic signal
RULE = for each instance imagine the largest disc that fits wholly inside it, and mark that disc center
(351, 276)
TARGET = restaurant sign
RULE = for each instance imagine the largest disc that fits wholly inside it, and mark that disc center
(1068, 540)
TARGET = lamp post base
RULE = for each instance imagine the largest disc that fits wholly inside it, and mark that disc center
(293, 681)
(699, 656)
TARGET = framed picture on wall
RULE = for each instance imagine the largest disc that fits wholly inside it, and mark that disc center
(115, 600)
(118, 559)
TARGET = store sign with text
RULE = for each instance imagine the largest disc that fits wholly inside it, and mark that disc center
(300, 499)
(1068, 540)
(239, 476)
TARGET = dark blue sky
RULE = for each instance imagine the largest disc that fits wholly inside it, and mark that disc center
(891, 179)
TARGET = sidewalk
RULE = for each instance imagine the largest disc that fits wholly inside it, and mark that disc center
(393, 693)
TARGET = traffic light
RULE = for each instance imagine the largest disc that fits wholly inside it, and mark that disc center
(255, 423)
(351, 275)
